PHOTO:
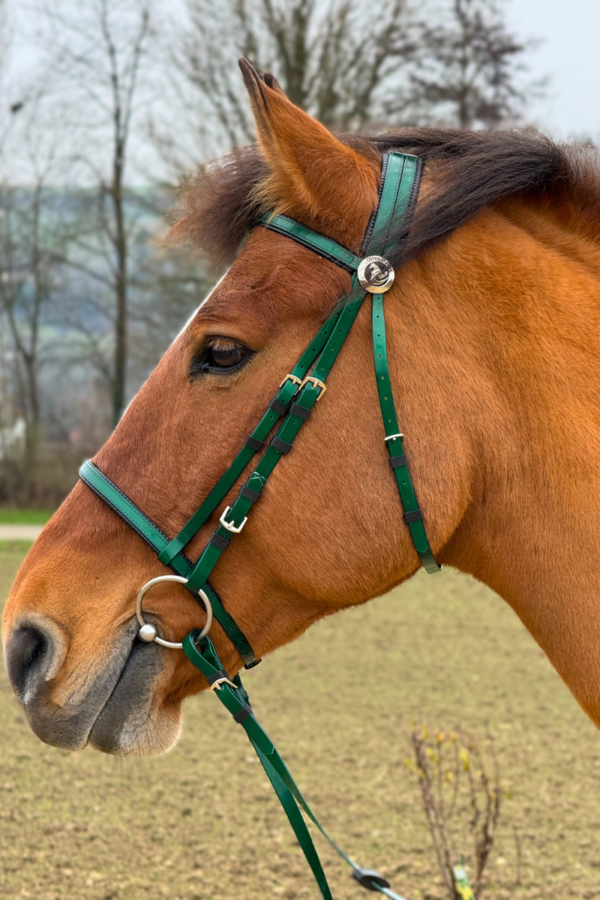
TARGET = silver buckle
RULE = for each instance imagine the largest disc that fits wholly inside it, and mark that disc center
(235, 529)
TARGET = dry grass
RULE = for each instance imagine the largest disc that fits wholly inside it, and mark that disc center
(202, 823)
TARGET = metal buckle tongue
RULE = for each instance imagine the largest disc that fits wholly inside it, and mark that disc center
(368, 878)
(216, 685)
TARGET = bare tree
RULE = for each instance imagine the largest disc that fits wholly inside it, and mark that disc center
(343, 61)
(29, 242)
(469, 67)
(99, 55)
(163, 288)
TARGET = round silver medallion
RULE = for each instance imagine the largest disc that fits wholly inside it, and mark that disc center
(375, 274)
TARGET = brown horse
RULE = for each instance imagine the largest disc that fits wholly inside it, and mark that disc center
(494, 339)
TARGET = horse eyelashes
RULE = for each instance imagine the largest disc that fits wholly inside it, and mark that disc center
(220, 357)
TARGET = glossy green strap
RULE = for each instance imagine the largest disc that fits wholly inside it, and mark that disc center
(312, 240)
(157, 540)
(412, 513)
(235, 699)
(401, 175)
(281, 444)
(284, 396)
(402, 181)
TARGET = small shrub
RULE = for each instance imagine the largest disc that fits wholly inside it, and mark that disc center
(462, 799)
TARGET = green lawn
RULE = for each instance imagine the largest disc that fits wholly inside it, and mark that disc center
(10, 516)
(202, 823)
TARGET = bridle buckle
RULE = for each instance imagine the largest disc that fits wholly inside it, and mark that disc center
(315, 381)
(293, 378)
(216, 685)
(235, 529)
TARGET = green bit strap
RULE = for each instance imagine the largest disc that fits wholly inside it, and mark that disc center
(235, 699)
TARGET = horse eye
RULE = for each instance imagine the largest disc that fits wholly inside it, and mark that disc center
(221, 358)
(224, 357)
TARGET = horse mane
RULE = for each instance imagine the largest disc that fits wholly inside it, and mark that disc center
(470, 170)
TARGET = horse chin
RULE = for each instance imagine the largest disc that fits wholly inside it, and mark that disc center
(134, 721)
(143, 733)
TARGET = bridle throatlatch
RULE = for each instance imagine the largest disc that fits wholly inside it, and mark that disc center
(298, 392)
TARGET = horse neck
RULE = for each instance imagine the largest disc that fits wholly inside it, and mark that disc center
(523, 294)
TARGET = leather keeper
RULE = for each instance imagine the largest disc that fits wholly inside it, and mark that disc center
(219, 542)
(249, 494)
(217, 676)
(397, 461)
(278, 407)
(300, 411)
(254, 443)
(242, 715)
(281, 445)
(415, 515)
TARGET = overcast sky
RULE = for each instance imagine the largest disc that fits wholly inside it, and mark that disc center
(570, 54)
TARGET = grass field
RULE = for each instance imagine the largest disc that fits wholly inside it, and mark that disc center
(10, 516)
(202, 824)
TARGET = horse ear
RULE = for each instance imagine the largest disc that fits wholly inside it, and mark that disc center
(313, 175)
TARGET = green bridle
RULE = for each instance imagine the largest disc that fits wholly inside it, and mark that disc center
(297, 394)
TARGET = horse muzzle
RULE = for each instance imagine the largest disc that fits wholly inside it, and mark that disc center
(110, 702)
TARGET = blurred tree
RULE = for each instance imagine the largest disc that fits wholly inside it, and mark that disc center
(163, 287)
(468, 67)
(99, 52)
(5, 105)
(29, 243)
(354, 66)
(341, 60)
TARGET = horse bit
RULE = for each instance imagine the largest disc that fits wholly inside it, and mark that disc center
(298, 392)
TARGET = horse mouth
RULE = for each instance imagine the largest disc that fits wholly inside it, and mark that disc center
(133, 720)
(114, 708)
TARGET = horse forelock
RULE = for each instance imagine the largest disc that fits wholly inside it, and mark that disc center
(466, 171)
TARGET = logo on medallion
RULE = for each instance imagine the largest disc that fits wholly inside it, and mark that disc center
(376, 274)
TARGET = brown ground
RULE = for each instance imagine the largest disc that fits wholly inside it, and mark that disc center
(202, 824)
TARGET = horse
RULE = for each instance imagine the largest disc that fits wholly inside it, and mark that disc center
(492, 325)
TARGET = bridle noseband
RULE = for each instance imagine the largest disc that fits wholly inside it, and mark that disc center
(298, 392)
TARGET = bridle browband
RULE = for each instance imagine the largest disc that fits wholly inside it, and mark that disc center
(297, 395)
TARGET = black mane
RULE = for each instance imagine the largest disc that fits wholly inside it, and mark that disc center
(471, 170)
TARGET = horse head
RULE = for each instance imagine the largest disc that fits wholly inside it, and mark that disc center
(491, 369)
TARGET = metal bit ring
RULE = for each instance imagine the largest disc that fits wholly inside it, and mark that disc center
(148, 631)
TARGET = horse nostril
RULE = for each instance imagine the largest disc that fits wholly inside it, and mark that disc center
(28, 656)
